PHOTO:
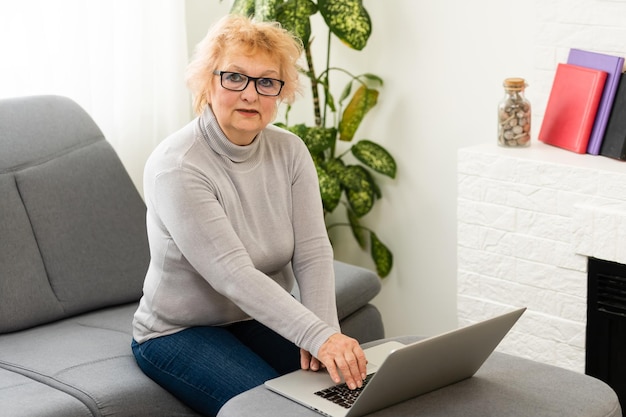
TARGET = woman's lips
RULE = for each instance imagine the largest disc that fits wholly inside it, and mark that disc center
(248, 112)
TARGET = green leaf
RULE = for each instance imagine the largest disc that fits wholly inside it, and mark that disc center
(357, 231)
(335, 167)
(348, 20)
(361, 201)
(243, 7)
(299, 130)
(375, 156)
(362, 101)
(361, 190)
(330, 189)
(372, 183)
(357, 178)
(265, 10)
(346, 92)
(316, 139)
(353, 177)
(319, 139)
(382, 256)
(294, 16)
(372, 80)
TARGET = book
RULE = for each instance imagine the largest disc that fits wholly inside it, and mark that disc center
(613, 66)
(572, 106)
(614, 142)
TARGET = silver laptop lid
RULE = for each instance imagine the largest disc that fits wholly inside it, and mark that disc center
(433, 363)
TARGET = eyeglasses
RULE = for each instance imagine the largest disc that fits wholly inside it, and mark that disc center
(235, 81)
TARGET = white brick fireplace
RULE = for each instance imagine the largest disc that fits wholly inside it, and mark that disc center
(527, 221)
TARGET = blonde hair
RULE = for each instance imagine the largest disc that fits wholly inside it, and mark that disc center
(235, 32)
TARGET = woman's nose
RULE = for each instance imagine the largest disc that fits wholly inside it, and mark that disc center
(249, 93)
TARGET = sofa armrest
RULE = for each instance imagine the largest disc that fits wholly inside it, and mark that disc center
(355, 287)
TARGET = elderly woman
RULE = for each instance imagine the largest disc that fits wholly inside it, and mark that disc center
(234, 219)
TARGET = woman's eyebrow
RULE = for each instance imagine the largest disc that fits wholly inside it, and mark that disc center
(268, 72)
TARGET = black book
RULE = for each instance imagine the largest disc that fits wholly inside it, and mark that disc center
(614, 142)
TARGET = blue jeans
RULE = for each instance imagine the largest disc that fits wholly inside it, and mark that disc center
(206, 366)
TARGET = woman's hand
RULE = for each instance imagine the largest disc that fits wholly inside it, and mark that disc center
(308, 362)
(340, 354)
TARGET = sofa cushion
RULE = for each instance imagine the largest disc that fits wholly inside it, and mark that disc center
(89, 357)
(22, 397)
(49, 125)
(89, 222)
(72, 224)
(26, 297)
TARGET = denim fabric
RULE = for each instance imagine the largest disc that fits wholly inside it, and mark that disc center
(206, 366)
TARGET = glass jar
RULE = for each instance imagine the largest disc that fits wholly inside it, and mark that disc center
(514, 115)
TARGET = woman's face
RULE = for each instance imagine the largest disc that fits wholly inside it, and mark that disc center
(243, 114)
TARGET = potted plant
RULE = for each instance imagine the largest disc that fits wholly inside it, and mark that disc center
(348, 183)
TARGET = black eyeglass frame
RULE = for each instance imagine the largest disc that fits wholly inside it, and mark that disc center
(255, 79)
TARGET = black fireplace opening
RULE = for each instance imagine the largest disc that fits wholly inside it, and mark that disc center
(606, 325)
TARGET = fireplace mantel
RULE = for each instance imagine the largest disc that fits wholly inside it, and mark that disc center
(528, 219)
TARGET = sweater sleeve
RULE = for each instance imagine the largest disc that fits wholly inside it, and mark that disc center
(191, 213)
(313, 255)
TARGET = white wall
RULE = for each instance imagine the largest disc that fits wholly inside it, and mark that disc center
(443, 62)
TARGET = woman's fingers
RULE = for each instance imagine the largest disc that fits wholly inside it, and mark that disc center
(308, 362)
(343, 357)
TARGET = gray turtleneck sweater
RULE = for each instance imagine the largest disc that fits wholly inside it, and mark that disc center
(229, 228)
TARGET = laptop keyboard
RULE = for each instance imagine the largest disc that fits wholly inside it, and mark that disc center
(342, 395)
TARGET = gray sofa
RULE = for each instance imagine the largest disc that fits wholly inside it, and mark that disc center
(73, 253)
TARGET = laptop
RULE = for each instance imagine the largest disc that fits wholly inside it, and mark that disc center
(397, 372)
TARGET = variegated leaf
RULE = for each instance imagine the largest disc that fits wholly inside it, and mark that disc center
(382, 256)
(375, 156)
(362, 101)
(348, 20)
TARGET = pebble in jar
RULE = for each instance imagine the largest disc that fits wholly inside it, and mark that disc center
(514, 115)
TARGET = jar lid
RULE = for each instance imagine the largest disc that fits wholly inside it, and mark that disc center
(514, 83)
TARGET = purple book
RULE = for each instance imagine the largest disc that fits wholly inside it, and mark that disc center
(613, 66)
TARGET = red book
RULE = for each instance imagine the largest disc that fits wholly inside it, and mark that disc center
(572, 107)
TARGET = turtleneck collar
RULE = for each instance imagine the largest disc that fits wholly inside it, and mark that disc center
(220, 144)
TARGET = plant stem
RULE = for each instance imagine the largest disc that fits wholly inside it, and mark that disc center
(344, 153)
(314, 90)
(327, 77)
(348, 225)
(348, 73)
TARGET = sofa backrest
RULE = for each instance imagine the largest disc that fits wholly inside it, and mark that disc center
(72, 224)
